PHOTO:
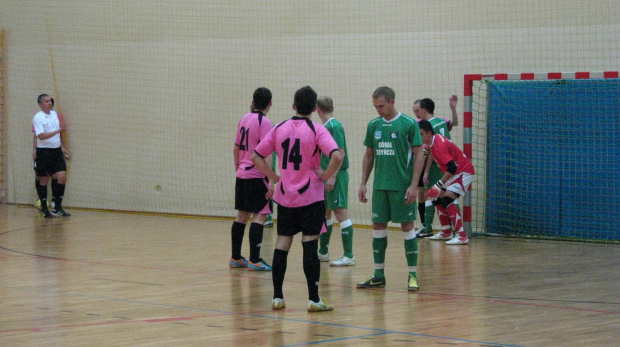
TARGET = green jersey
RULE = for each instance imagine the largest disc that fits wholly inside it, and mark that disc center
(440, 126)
(391, 142)
(335, 128)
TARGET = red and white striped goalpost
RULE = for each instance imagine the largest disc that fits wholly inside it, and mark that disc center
(468, 117)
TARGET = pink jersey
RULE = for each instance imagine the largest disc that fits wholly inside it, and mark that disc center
(299, 143)
(444, 151)
(253, 127)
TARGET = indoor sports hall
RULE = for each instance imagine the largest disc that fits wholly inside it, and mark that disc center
(152, 93)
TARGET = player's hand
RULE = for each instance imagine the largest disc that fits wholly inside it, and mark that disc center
(270, 192)
(65, 154)
(432, 193)
(329, 184)
(361, 194)
(410, 195)
(453, 101)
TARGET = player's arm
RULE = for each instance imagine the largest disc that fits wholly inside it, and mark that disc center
(335, 161)
(264, 166)
(47, 135)
(236, 156)
(34, 147)
(427, 165)
(367, 163)
(418, 166)
(455, 118)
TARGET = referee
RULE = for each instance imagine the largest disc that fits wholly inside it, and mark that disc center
(50, 156)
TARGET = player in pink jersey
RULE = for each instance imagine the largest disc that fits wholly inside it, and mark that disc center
(299, 143)
(253, 191)
(458, 175)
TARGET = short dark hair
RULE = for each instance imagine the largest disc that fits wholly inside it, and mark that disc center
(426, 126)
(261, 98)
(305, 100)
(385, 92)
(40, 98)
(428, 105)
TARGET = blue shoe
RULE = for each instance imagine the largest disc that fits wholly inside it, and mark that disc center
(260, 266)
(238, 263)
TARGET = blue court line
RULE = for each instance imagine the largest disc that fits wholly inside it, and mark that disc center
(378, 331)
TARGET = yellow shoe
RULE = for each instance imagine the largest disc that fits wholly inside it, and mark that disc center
(320, 306)
(413, 283)
(277, 304)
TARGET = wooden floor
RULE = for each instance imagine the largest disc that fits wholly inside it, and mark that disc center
(112, 279)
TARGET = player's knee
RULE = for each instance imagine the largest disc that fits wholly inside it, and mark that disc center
(446, 201)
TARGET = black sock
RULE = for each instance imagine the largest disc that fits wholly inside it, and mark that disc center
(278, 271)
(58, 191)
(312, 268)
(256, 239)
(236, 236)
(42, 192)
(421, 211)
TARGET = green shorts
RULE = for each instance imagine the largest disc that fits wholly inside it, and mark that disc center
(339, 196)
(389, 205)
(434, 175)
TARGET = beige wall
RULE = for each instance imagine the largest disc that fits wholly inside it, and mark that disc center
(153, 90)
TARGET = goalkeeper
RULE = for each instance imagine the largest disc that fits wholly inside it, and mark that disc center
(458, 175)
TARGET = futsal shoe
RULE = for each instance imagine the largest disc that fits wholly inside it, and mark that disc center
(277, 304)
(260, 266)
(343, 261)
(320, 306)
(372, 282)
(268, 221)
(422, 233)
(458, 240)
(238, 263)
(47, 214)
(412, 285)
(441, 237)
(323, 257)
(60, 212)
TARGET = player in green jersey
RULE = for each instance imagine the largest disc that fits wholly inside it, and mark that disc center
(425, 111)
(336, 189)
(394, 148)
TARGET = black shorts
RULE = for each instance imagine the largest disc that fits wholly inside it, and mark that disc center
(421, 181)
(306, 219)
(250, 195)
(49, 161)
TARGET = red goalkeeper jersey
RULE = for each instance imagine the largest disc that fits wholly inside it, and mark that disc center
(444, 151)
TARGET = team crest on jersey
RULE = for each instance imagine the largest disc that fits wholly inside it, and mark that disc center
(377, 134)
(394, 134)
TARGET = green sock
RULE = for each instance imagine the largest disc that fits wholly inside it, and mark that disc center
(324, 240)
(429, 216)
(411, 251)
(347, 241)
(379, 245)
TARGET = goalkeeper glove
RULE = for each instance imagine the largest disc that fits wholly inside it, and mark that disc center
(435, 190)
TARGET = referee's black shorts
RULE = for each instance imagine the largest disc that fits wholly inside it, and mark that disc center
(49, 161)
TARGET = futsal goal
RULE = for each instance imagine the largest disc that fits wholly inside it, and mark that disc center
(546, 149)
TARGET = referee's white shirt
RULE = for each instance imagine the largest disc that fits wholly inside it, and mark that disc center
(44, 123)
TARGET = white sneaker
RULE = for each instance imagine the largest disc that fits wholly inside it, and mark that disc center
(441, 237)
(323, 257)
(458, 240)
(320, 306)
(277, 304)
(343, 261)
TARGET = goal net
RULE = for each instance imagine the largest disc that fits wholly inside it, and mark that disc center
(546, 148)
